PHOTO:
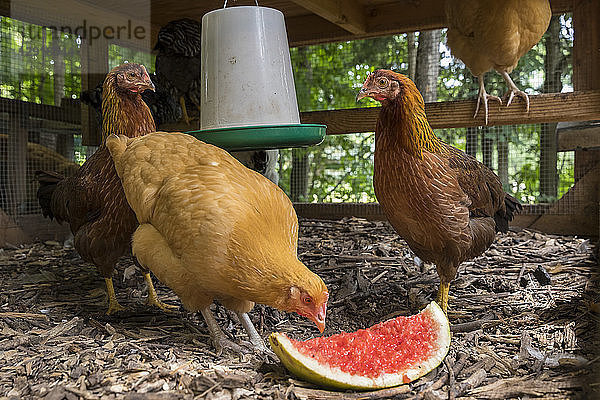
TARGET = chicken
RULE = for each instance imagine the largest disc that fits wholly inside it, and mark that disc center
(495, 35)
(211, 228)
(92, 201)
(444, 203)
(163, 108)
(178, 61)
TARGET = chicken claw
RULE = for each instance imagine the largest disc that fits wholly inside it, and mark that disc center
(514, 90)
(153, 297)
(220, 341)
(113, 304)
(482, 96)
(258, 344)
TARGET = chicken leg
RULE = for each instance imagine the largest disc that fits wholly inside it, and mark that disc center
(217, 336)
(443, 294)
(113, 304)
(256, 340)
(514, 90)
(184, 110)
(482, 96)
(153, 299)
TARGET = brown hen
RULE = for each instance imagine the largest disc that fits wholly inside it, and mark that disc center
(446, 205)
(92, 201)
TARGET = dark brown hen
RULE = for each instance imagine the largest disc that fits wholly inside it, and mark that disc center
(92, 201)
(446, 205)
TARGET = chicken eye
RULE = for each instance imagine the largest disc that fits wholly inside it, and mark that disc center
(307, 300)
(131, 74)
(382, 82)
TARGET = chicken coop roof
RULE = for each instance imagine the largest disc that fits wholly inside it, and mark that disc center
(318, 21)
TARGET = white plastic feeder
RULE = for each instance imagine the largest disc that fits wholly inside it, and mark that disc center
(247, 75)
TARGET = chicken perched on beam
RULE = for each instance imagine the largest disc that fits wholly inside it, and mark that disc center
(92, 201)
(211, 228)
(489, 35)
(446, 205)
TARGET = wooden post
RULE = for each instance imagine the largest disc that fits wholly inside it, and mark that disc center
(586, 70)
(94, 67)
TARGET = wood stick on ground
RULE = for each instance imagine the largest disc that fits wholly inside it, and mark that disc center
(304, 393)
(471, 382)
(451, 381)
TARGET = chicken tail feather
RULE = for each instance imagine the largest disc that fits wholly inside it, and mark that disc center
(503, 217)
(48, 181)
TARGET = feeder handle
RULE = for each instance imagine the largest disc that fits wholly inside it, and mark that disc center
(225, 5)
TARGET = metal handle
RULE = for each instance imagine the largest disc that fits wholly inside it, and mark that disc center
(225, 5)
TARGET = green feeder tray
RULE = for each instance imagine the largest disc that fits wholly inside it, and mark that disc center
(262, 137)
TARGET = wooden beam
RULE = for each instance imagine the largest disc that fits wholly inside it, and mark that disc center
(348, 14)
(68, 112)
(553, 107)
(381, 19)
(533, 217)
(573, 136)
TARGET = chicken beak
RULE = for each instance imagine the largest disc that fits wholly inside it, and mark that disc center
(319, 318)
(146, 85)
(361, 95)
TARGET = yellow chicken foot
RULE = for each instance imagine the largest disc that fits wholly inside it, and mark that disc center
(257, 341)
(113, 304)
(514, 90)
(442, 297)
(217, 336)
(482, 96)
(184, 110)
(153, 297)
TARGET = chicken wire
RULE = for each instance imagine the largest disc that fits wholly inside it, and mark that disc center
(525, 157)
(40, 127)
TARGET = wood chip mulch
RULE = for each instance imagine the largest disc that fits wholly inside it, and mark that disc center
(525, 320)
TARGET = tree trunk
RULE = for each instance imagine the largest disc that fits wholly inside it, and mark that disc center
(471, 143)
(299, 175)
(59, 69)
(548, 141)
(411, 39)
(487, 147)
(502, 147)
(428, 64)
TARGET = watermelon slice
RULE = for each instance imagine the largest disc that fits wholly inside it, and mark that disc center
(387, 354)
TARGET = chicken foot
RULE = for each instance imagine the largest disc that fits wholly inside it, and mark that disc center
(514, 90)
(184, 110)
(220, 341)
(113, 304)
(443, 294)
(256, 340)
(482, 96)
(153, 299)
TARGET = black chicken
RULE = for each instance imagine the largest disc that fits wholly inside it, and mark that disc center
(178, 61)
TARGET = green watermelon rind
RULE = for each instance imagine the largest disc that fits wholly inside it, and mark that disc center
(311, 370)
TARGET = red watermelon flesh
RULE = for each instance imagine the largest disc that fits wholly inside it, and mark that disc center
(387, 354)
(384, 348)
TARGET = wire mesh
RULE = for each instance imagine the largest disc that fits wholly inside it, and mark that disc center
(40, 118)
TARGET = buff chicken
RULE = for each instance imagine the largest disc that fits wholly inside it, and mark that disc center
(444, 203)
(92, 201)
(489, 35)
(212, 229)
